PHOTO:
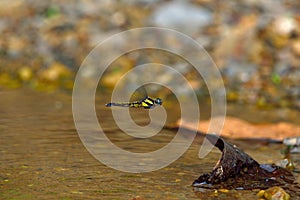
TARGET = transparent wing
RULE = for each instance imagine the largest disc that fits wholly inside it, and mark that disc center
(139, 95)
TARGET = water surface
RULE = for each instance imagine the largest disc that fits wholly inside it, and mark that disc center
(42, 156)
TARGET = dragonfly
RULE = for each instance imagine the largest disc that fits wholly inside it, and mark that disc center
(144, 101)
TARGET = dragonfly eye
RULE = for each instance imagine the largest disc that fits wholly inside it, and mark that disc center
(158, 101)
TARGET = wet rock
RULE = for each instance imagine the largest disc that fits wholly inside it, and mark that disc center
(237, 170)
(232, 162)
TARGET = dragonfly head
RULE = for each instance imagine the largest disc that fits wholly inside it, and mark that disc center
(158, 101)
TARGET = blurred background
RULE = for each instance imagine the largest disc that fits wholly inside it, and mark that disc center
(256, 44)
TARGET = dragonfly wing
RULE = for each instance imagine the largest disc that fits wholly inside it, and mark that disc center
(139, 95)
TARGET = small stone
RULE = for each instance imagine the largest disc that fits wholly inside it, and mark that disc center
(261, 193)
(276, 193)
(76, 192)
(138, 198)
(296, 47)
(286, 163)
(285, 25)
(292, 141)
(223, 190)
(179, 15)
(54, 72)
(25, 73)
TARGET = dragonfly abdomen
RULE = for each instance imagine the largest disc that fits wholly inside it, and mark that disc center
(132, 104)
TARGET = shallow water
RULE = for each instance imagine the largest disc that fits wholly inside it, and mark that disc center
(42, 156)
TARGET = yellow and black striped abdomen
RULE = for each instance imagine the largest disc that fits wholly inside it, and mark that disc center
(135, 104)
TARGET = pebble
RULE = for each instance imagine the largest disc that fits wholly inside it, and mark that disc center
(274, 193)
(292, 141)
(182, 16)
